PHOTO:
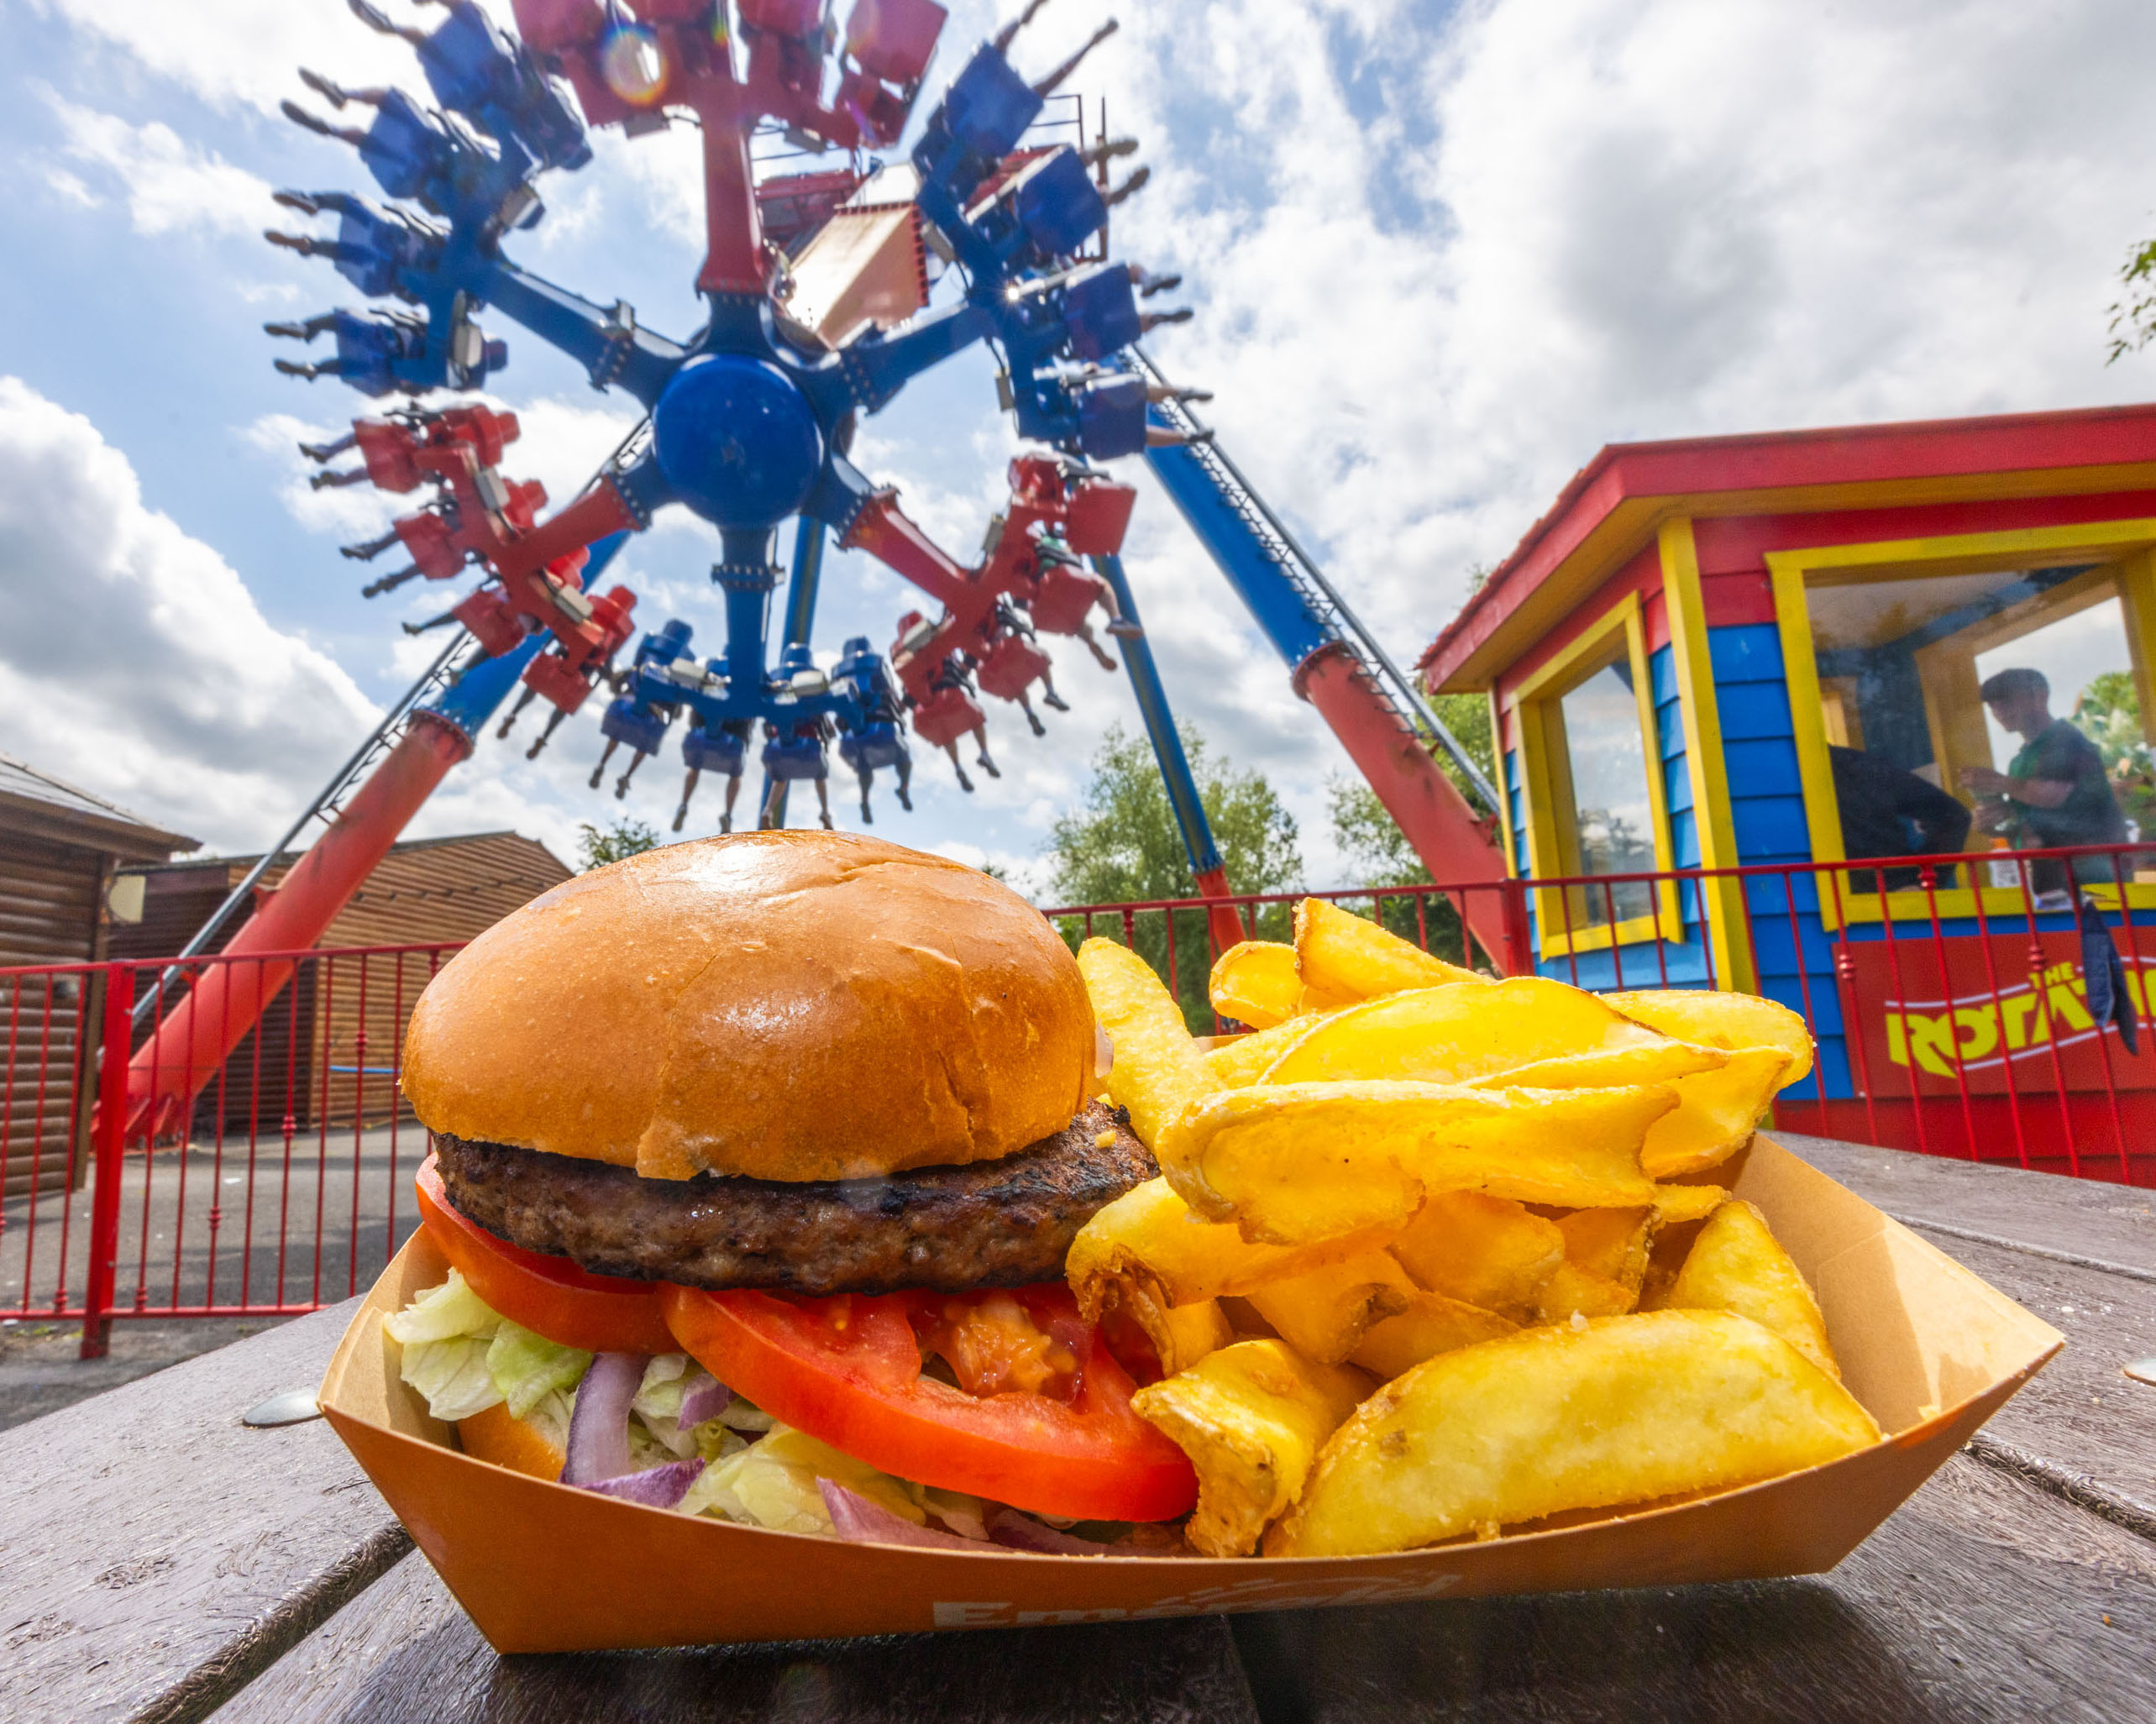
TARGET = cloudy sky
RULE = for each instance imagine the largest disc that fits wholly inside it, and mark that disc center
(1439, 253)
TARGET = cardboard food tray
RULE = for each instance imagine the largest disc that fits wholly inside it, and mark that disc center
(1929, 1349)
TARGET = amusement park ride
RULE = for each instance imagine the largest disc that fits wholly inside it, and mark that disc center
(818, 296)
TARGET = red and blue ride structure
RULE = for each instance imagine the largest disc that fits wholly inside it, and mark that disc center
(748, 422)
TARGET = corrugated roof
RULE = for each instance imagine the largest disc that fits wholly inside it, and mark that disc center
(20, 779)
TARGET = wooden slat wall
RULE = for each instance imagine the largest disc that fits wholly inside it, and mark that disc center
(48, 916)
(447, 890)
(432, 891)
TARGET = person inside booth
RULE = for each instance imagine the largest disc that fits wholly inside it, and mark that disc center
(2055, 791)
(1888, 810)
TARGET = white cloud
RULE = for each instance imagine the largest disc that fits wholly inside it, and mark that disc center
(135, 661)
(1440, 254)
(233, 52)
(169, 185)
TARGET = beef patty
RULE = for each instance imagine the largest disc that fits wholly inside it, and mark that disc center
(1002, 1223)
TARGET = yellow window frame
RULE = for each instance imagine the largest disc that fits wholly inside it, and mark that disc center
(1619, 633)
(2127, 551)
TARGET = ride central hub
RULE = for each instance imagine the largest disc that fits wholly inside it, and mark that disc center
(738, 440)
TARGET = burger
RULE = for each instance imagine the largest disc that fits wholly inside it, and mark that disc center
(755, 1161)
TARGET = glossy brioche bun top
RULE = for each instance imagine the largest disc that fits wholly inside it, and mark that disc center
(787, 1005)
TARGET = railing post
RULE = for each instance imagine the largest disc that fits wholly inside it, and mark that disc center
(111, 1136)
(1518, 956)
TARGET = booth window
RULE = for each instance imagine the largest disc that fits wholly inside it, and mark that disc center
(1595, 802)
(1903, 754)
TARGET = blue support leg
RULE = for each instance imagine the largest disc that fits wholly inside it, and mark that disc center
(1205, 864)
(801, 590)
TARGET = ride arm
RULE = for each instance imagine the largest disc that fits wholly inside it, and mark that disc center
(1332, 660)
(884, 531)
(1206, 866)
(609, 344)
(877, 367)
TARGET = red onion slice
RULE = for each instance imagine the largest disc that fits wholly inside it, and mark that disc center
(1021, 1532)
(655, 1487)
(599, 1420)
(706, 1397)
(861, 1522)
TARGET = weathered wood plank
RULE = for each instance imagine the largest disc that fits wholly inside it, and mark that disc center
(2085, 1218)
(155, 1555)
(2079, 1414)
(1982, 1598)
(404, 1650)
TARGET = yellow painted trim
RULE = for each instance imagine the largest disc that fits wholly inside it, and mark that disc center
(1622, 627)
(1729, 929)
(2006, 905)
(2136, 589)
(2126, 545)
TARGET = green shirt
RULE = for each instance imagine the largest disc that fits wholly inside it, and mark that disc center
(2060, 754)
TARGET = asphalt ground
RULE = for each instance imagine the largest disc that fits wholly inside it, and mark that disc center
(321, 1227)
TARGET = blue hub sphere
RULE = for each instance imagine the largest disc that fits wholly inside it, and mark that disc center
(736, 440)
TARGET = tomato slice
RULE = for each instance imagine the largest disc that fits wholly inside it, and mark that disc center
(549, 1296)
(847, 1370)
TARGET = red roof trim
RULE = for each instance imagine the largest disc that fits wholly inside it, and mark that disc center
(1785, 461)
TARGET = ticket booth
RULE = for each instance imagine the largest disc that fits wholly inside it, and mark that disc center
(1724, 672)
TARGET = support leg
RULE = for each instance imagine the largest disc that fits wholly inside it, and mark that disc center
(688, 790)
(516, 712)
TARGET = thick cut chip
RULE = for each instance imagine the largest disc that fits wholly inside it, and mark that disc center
(1716, 1114)
(1147, 1249)
(1676, 1204)
(1575, 1291)
(1185, 1333)
(1490, 1252)
(1256, 983)
(1250, 1417)
(1605, 1261)
(1730, 1021)
(1608, 1068)
(1325, 1314)
(1158, 1070)
(1736, 1264)
(1246, 1059)
(1466, 1033)
(1341, 953)
(1613, 1243)
(1430, 1325)
(1620, 1410)
(1295, 1163)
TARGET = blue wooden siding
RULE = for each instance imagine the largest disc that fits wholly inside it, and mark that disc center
(1790, 946)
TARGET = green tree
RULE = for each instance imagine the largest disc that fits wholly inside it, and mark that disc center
(624, 838)
(1379, 850)
(1121, 845)
(2108, 714)
(2133, 318)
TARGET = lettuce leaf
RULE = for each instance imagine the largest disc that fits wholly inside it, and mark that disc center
(772, 1484)
(448, 1313)
(527, 1367)
(451, 1375)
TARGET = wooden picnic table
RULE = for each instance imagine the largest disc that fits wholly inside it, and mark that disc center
(159, 1560)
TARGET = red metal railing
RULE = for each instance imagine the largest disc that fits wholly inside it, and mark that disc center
(281, 1187)
(1950, 1022)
